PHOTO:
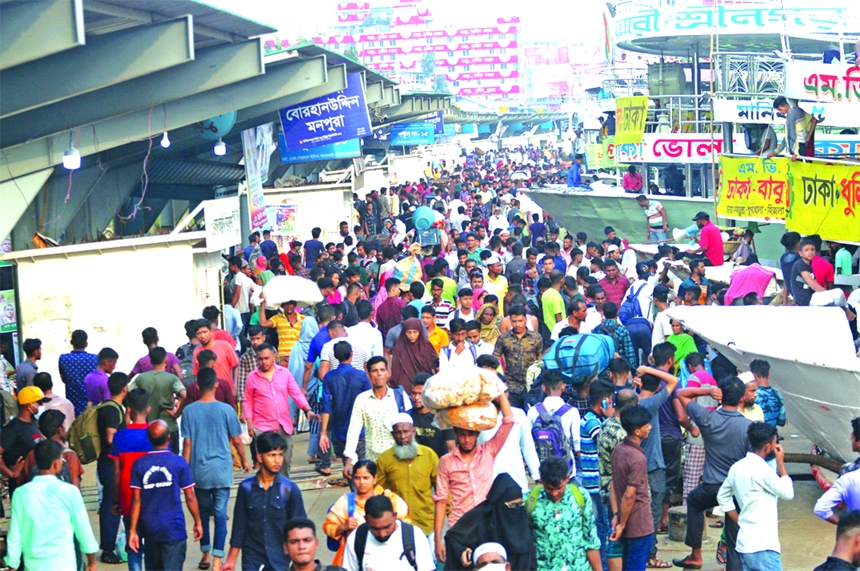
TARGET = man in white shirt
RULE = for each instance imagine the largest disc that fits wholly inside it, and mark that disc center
(755, 488)
(460, 353)
(364, 333)
(577, 319)
(553, 387)
(473, 335)
(662, 323)
(518, 447)
(328, 362)
(242, 286)
(497, 220)
(382, 536)
(644, 290)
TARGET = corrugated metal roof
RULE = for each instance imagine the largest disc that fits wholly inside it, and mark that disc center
(169, 171)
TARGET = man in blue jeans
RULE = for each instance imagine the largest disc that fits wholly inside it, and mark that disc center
(158, 480)
(110, 418)
(129, 444)
(629, 493)
(208, 429)
(600, 395)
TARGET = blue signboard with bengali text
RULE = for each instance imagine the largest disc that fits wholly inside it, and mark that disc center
(438, 123)
(408, 134)
(349, 149)
(333, 118)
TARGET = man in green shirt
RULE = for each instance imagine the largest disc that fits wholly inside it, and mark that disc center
(47, 516)
(162, 387)
(844, 266)
(552, 301)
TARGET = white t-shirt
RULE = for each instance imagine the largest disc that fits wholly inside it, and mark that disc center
(368, 336)
(569, 422)
(652, 213)
(662, 328)
(519, 447)
(359, 354)
(245, 284)
(586, 327)
(389, 555)
(646, 297)
(449, 359)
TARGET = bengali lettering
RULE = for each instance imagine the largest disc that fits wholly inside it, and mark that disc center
(851, 193)
(673, 148)
(815, 189)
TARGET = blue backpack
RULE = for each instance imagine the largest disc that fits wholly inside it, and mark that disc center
(630, 308)
(580, 358)
(549, 434)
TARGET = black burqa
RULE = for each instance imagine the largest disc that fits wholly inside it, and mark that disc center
(492, 520)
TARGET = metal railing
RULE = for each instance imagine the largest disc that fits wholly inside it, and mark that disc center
(631, 6)
(679, 114)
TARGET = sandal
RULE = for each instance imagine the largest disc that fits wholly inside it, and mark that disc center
(203, 564)
(654, 563)
(663, 530)
(686, 564)
(319, 470)
(722, 555)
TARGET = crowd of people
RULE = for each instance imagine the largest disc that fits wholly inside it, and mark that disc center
(579, 472)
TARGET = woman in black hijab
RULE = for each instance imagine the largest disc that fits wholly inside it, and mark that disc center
(500, 518)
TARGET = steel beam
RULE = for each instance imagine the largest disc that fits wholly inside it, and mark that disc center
(375, 94)
(33, 30)
(211, 68)
(104, 61)
(286, 78)
(176, 192)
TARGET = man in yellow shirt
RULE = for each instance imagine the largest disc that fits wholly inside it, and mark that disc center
(495, 283)
(437, 336)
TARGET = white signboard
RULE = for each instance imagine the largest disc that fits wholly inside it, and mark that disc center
(223, 228)
(823, 82)
(761, 111)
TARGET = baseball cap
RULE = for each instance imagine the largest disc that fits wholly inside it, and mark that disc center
(29, 395)
(661, 293)
(641, 268)
(701, 215)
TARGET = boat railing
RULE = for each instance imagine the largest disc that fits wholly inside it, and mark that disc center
(739, 74)
(679, 114)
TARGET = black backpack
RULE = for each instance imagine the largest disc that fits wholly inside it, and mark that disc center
(408, 534)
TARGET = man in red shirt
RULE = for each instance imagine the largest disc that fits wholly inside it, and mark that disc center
(129, 444)
(615, 284)
(226, 361)
(822, 270)
(710, 240)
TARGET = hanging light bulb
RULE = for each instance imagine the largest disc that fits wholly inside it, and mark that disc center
(72, 159)
(220, 148)
(165, 142)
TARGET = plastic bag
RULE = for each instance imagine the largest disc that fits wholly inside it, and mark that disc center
(461, 386)
(475, 416)
(244, 437)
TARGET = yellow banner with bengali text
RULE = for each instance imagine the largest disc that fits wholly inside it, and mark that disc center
(824, 200)
(630, 115)
(609, 153)
(753, 188)
(594, 156)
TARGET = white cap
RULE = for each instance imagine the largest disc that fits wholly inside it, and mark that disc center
(401, 418)
(493, 259)
(485, 548)
(612, 248)
(747, 377)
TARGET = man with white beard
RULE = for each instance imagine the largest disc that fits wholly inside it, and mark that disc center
(409, 470)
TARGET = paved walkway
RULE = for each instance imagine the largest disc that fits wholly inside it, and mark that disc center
(806, 540)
